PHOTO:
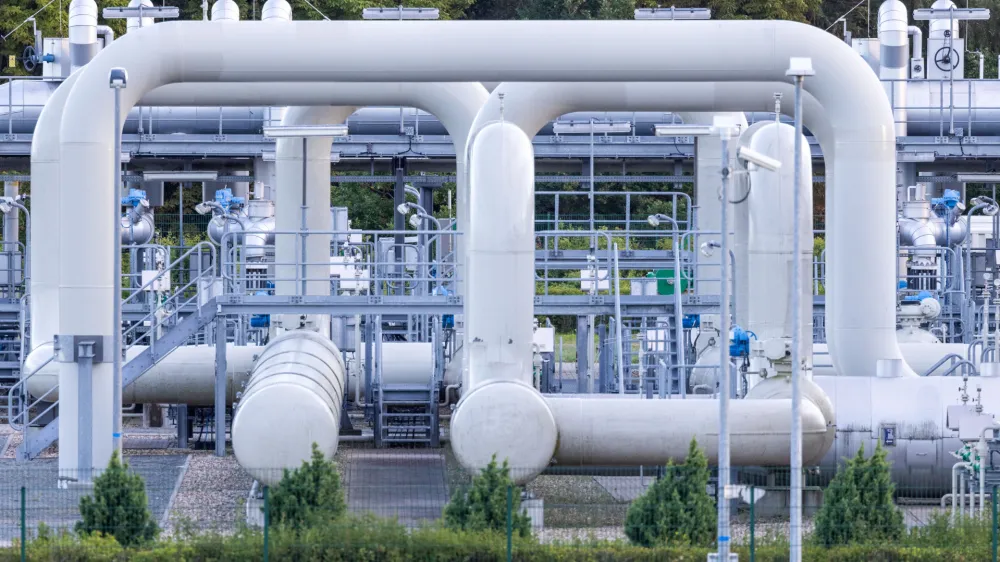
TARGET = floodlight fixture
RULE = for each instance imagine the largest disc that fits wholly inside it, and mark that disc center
(978, 178)
(400, 13)
(673, 13)
(951, 14)
(683, 130)
(415, 220)
(205, 207)
(754, 157)
(299, 131)
(180, 175)
(915, 156)
(403, 208)
(587, 127)
(118, 78)
(800, 67)
(157, 12)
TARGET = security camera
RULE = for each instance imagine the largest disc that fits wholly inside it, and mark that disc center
(754, 157)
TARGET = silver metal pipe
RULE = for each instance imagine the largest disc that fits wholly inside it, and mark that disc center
(724, 383)
(795, 539)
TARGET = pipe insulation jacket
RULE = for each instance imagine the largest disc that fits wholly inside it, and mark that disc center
(771, 235)
(294, 399)
(83, 45)
(894, 41)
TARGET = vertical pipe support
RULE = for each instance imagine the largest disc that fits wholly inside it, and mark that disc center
(220, 386)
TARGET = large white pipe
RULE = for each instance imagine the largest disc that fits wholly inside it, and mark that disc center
(867, 324)
(919, 356)
(187, 374)
(863, 146)
(293, 399)
(893, 35)
(596, 431)
(82, 32)
(771, 235)
(501, 413)
(938, 28)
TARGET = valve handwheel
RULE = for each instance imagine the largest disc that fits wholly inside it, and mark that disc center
(29, 59)
(946, 59)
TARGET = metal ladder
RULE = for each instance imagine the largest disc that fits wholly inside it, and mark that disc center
(407, 413)
(37, 418)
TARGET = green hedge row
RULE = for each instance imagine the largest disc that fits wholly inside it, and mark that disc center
(374, 540)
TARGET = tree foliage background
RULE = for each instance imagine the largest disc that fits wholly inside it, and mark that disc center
(483, 505)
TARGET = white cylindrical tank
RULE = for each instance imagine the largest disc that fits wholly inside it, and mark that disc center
(225, 10)
(276, 10)
(136, 23)
(771, 233)
(293, 399)
(82, 32)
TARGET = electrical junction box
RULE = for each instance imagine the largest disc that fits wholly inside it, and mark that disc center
(665, 281)
(150, 282)
(545, 339)
(969, 423)
(58, 47)
(918, 69)
(603, 280)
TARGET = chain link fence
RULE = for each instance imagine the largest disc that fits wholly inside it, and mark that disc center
(397, 504)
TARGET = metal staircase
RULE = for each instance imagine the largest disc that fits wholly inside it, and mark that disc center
(175, 317)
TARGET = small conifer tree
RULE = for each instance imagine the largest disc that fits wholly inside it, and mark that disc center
(483, 506)
(858, 504)
(307, 495)
(118, 506)
(676, 509)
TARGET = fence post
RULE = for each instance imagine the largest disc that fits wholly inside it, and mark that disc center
(510, 522)
(993, 530)
(753, 522)
(24, 528)
(267, 523)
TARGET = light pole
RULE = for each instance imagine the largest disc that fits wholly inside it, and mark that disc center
(118, 78)
(798, 69)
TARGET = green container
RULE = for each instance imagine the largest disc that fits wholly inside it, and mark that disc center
(665, 281)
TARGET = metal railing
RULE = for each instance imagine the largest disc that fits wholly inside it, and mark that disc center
(20, 403)
(171, 298)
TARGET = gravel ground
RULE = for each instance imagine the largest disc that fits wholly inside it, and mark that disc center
(211, 496)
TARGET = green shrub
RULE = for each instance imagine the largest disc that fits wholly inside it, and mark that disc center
(676, 509)
(483, 506)
(118, 507)
(858, 505)
(307, 495)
